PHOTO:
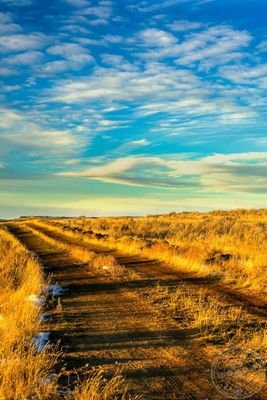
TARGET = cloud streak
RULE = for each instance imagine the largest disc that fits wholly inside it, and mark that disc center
(237, 172)
(146, 7)
(19, 132)
(134, 94)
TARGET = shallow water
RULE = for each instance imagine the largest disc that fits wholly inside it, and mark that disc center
(56, 289)
(41, 340)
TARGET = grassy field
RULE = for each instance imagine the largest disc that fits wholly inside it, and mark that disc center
(27, 367)
(230, 244)
(150, 303)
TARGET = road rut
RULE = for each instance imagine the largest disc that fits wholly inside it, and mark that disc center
(107, 324)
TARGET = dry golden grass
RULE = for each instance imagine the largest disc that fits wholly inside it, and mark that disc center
(23, 371)
(26, 373)
(105, 264)
(198, 309)
(231, 244)
(97, 387)
(20, 277)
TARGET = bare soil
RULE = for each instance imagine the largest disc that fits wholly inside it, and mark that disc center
(112, 324)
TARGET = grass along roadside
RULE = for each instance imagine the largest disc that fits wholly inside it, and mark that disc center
(199, 309)
(129, 247)
(213, 317)
(229, 243)
(102, 263)
(206, 312)
(241, 268)
(25, 373)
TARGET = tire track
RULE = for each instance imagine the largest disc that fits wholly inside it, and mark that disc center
(116, 328)
(154, 272)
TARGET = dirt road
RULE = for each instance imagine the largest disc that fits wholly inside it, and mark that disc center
(109, 324)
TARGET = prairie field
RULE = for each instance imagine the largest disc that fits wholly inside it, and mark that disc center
(134, 307)
(133, 200)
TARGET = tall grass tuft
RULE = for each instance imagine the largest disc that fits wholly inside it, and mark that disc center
(24, 372)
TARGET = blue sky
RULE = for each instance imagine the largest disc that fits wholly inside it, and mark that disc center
(132, 107)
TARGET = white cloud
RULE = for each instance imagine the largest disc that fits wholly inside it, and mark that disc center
(98, 21)
(10, 88)
(183, 26)
(17, 2)
(140, 142)
(6, 24)
(6, 71)
(133, 145)
(154, 88)
(54, 67)
(245, 75)
(114, 39)
(235, 158)
(78, 3)
(102, 12)
(27, 58)
(73, 52)
(217, 45)
(22, 42)
(119, 171)
(75, 29)
(156, 38)
(118, 61)
(145, 6)
(74, 57)
(238, 172)
(19, 131)
(5, 17)
(262, 47)
(6, 29)
(155, 82)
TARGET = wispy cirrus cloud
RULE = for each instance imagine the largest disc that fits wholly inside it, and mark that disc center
(5, 17)
(22, 42)
(72, 52)
(156, 38)
(146, 6)
(21, 132)
(237, 172)
(7, 27)
(98, 11)
(122, 95)
(17, 2)
(78, 3)
(262, 47)
(154, 88)
(213, 46)
(244, 74)
(184, 26)
(26, 58)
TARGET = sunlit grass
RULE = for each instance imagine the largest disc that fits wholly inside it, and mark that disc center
(27, 373)
(23, 370)
(194, 243)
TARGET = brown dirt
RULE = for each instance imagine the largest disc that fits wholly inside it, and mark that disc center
(110, 324)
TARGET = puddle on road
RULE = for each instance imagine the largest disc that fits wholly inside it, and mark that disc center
(41, 340)
(44, 317)
(55, 290)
